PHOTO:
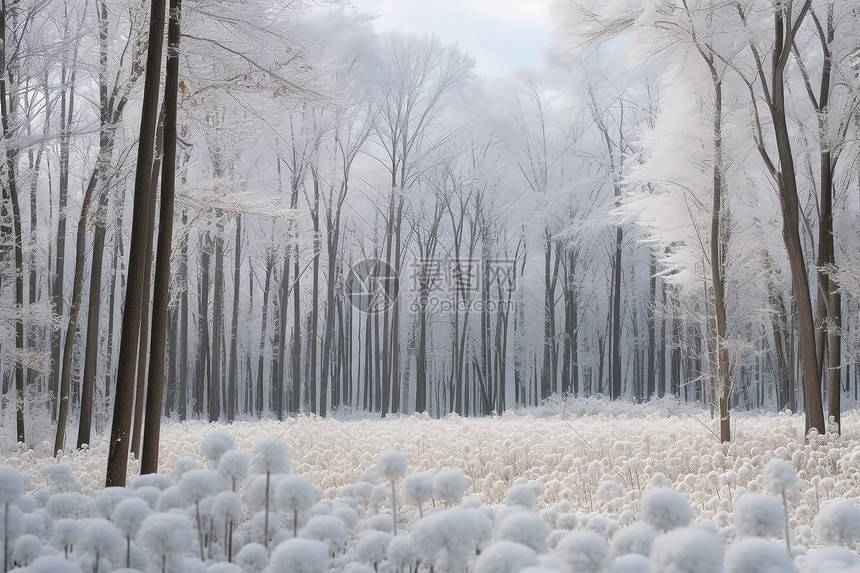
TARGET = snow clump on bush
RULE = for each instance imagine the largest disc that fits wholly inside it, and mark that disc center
(759, 515)
(636, 538)
(391, 465)
(687, 550)
(271, 456)
(449, 486)
(780, 478)
(584, 551)
(299, 556)
(838, 522)
(666, 509)
(505, 557)
(756, 555)
(522, 495)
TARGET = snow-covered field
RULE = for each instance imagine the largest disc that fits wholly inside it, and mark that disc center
(574, 486)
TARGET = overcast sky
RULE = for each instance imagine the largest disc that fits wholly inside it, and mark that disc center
(502, 35)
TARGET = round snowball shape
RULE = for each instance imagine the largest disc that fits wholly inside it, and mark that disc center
(449, 486)
(326, 528)
(271, 456)
(372, 547)
(215, 444)
(780, 477)
(253, 557)
(391, 465)
(584, 551)
(11, 484)
(666, 509)
(296, 493)
(759, 515)
(128, 515)
(505, 557)
(838, 522)
(526, 528)
(167, 534)
(687, 550)
(757, 555)
(633, 539)
(831, 560)
(299, 556)
(522, 495)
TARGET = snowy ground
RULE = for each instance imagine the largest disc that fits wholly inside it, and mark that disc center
(580, 475)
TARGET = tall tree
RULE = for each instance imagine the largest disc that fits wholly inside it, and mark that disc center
(124, 395)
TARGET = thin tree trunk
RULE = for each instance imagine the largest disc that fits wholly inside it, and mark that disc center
(232, 375)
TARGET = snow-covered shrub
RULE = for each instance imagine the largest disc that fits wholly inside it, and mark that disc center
(418, 488)
(449, 486)
(401, 552)
(328, 529)
(299, 556)
(583, 551)
(522, 495)
(838, 522)
(372, 547)
(107, 499)
(62, 477)
(636, 538)
(526, 528)
(128, 516)
(234, 465)
(780, 477)
(505, 557)
(215, 445)
(687, 550)
(391, 465)
(271, 456)
(182, 465)
(196, 485)
(759, 515)
(449, 537)
(101, 540)
(160, 481)
(630, 563)
(756, 555)
(66, 533)
(148, 493)
(295, 494)
(168, 536)
(253, 558)
(831, 560)
(28, 548)
(666, 509)
(608, 490)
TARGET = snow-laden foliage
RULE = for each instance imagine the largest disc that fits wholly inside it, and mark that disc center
(759, 515)
(678, 502)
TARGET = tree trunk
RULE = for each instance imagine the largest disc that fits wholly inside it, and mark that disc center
(232, 376)
(124, 396)
(161, 289)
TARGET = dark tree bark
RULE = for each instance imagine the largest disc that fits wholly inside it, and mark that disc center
(161, 290)
(232, 375)
(124, 397)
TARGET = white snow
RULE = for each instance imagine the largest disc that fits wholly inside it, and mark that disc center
(527, 502)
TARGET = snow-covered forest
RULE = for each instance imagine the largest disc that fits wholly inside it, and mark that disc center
(271, 209)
